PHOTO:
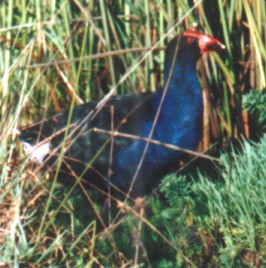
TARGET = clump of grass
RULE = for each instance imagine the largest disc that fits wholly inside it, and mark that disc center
(254, 104)
(225, 218)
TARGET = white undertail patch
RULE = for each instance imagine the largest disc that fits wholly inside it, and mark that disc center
(38, 152)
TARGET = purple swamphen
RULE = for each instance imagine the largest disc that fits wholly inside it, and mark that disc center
(119, 146)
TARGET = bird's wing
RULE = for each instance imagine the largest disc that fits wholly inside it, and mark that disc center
(87, 132)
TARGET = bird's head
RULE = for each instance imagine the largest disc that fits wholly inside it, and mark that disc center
(191, 45)
(206, 43)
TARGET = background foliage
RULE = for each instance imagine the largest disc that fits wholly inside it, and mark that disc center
(58, 54)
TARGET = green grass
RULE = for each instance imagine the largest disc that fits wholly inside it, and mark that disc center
(221, 221)
(55, 55)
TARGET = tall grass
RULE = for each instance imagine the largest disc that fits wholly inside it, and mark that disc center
(50, 60)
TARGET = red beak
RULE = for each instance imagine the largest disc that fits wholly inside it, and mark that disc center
(206, 42)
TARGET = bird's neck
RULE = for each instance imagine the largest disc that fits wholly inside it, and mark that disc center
(180, 106)
(181, 85)
(183, 75)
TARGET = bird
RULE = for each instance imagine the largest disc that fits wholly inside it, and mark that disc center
(120, 145)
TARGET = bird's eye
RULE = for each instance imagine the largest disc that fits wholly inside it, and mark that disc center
(190, 40)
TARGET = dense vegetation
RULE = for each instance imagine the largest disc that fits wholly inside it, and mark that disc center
(58, 54)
